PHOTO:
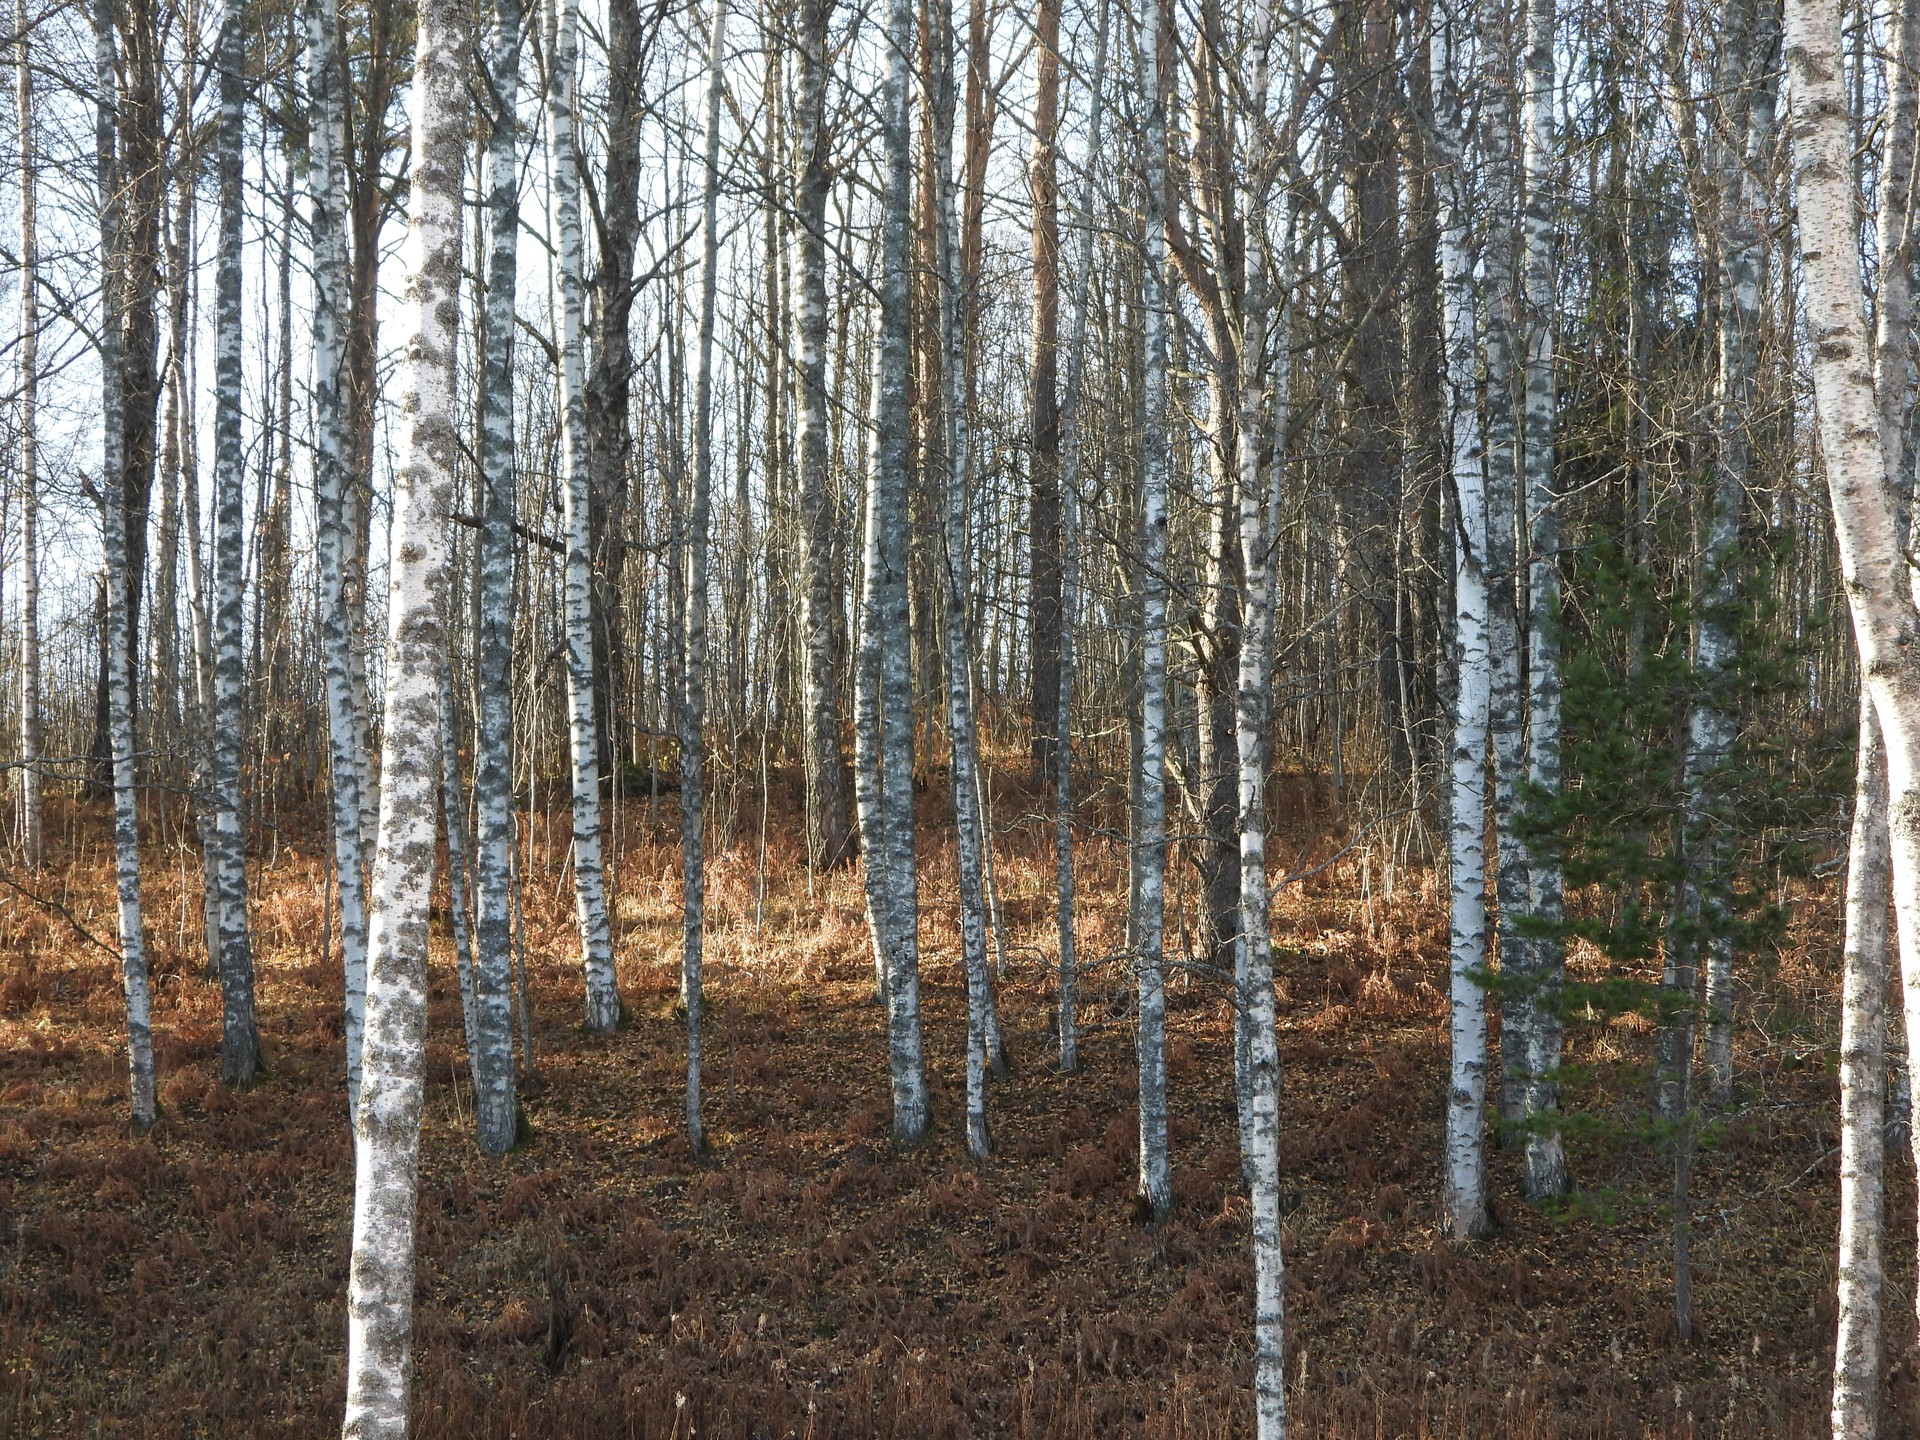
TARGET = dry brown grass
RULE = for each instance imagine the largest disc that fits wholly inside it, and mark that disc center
(811, 1282)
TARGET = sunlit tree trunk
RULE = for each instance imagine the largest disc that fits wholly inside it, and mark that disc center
(1150, 825)
(1070, 464)
(387, 1127)
(496, 1108)
(1464, 1205)
(884, 714)
(240, 1044)
(693, 696)
(1545, 1162)
(119, 581)
(589, 879)
(32, 824)
(827, 766)
(969, 837)
(332, 475)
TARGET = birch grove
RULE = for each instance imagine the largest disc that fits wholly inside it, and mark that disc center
(1272, 571)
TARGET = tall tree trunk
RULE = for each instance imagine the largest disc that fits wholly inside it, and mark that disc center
(496, 1107)
(335, 539)
(969, 822)
(1070, 552)
(693, 693)
(1863, 1041)
(833, 841)
(1464, 1206)
(119, 584)
(1863, 1081)
(1544, 955)
(1873, 561)
(387, 1128)
(32, 825)
(1045, 535)
(884, 714)
(1150, 824)
(610, 373)
(589, 879)
(240, 1043)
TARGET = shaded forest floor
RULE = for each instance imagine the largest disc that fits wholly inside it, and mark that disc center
(809, 1281)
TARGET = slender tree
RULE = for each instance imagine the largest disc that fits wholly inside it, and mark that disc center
(387, 1126)
(496, 1108)
(334, 522)
(240, 1043)
(32, 826)
(693, 694)
(589, 877)
(119, 582)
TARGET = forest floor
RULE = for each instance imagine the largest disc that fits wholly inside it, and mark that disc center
(808, 1280)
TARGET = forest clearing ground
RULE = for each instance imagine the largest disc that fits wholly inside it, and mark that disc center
(808, 1280)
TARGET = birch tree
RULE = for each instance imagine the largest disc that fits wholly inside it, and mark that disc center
(589, 879)
(693, 695)
(240, 1044)
(119, 581)
(1872, 556)
(32, 811)
(969, 830)
(496, 1108)
(833, 841)
(1070, 464)
(1545, 1163)
(335, 537)
(387, 1125)
(883, 718)
(1150, 824)
(1464, 1204)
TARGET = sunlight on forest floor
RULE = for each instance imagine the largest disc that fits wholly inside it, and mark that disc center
(808, 1280)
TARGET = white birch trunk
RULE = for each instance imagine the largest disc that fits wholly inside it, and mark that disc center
(496, 1107)
(1872, 557)
(1464, 1203)
(1150, 826)
(589, 878)
(32, 810)
(240, 1044)
(332, 465)
(693, 693)
(833, 839)
(1545, 1166)
(885, 709)
(1260, 427)
(126, 802)
(1863, 1080)
(967, 808)
(387, 1126)
(1070, 550)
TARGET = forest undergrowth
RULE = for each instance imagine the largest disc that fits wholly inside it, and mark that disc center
(808, 1280)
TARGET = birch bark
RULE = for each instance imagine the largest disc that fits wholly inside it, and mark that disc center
(387, 1126)
(1150, 826)
(693, 695)
(496, 1107)
(126, 811)
(240, 1044)
(32, 810)
(332, 474)
(1872, 557)
(827, 768)
(589, 879)
(886, 709)
(1070, 549)
(1863, 1079)
(1545, 1166)
(1464, 1209)
(967, 809)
